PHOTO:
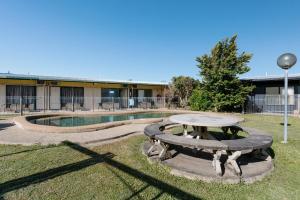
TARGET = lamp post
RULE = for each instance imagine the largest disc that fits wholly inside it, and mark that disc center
(286, 61)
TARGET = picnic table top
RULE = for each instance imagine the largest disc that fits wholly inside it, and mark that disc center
(206, 120)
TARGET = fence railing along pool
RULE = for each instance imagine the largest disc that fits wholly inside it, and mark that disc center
(254, 104)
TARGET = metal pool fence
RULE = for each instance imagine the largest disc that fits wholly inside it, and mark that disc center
(272, 104)
(54, 103)
(254, 104)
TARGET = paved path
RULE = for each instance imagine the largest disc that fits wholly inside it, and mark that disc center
(11, 134)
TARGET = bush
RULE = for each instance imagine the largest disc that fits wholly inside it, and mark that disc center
(200, 100)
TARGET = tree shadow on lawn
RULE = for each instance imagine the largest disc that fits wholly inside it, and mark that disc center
(95, 158)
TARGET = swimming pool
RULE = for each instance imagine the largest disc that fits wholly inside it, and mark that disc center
(73, 121)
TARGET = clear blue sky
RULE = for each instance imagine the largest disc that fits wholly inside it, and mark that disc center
(149, 40)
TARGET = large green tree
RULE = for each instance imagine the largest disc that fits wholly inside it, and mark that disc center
(220, 72)
(182, 87)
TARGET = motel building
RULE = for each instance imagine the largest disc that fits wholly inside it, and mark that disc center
(268, 95)
(39, 93)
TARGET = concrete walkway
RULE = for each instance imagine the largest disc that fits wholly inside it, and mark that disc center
(12, 134)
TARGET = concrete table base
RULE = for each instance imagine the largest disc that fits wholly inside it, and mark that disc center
(198, 165)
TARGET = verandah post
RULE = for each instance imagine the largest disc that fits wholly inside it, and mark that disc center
(73, 109)
(21, 101)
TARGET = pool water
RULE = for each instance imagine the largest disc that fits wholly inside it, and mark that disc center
(96, 119)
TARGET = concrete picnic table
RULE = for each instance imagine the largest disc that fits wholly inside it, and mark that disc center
(201, 122)
(255, 143)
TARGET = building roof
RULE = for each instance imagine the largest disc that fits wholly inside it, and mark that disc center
(271, 78)
(56, 78)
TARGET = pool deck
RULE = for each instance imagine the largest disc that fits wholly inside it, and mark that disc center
(12, 134)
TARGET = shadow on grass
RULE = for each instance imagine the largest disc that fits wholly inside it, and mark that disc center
(50, 174)
(95, 158)
(29, 150)
(111, 138)
(282, 124)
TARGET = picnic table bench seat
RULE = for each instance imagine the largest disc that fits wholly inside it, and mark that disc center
(190, 142)
(157, 129)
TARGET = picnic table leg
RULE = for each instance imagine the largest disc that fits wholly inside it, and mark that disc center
(234, 132)
(201, 132)
(164, 154)
(204, 132)
(231, 162)
(217, 163)
(153, 143)
(185, 131)
(225, 130)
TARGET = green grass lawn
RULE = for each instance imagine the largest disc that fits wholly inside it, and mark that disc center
(120, 171)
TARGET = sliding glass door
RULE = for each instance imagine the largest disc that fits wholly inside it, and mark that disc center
(108, 94)
(14, 92)
(72, 95)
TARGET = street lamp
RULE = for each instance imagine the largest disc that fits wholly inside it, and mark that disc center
(286, 61)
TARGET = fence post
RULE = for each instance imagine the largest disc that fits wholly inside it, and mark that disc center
(93, 100)
(21, 105)
(73, 109)
(44, 99)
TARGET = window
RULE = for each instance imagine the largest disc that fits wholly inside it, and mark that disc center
(272, 90)
(72, 95)
(274, 96)
(148, 93)
(13, 93)
(107, 94)
(291, 92)
(297, 91)
(140, 93)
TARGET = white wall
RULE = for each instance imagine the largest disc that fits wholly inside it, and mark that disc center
(124, 93)
(97, 97)
(55, 98)
(92, 95)
(156, 92)
(2, 97)
(88, 98)
(40, 97)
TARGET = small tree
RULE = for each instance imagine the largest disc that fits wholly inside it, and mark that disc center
(220, 70)
(182, 87)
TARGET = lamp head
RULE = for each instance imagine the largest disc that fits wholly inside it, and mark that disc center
(286, 61)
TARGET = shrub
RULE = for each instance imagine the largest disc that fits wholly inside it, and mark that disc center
(200, 100)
